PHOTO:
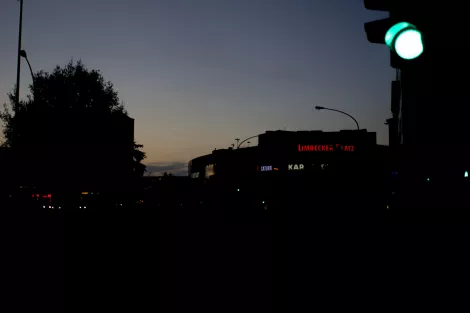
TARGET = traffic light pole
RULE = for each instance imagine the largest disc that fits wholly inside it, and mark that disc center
(424, 39)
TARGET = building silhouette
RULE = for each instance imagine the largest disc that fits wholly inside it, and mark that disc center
(301, 169)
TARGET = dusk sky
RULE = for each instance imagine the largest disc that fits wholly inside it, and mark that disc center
(195, 74)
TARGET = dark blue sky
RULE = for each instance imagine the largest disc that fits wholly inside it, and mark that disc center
(195, 74)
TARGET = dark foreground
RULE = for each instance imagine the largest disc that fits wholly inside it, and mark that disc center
(222, 254)
(165, 260)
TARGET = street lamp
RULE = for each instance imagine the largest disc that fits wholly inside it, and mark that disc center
(238, 145)
(323, 108)
(24, 55)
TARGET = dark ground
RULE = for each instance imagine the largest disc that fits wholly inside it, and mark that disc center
(179, 260)
(136, 261)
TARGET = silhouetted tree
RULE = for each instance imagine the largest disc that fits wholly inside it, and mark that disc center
(69, 93)
(139, 156)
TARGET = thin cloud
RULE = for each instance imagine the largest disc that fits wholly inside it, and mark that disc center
(176, 168)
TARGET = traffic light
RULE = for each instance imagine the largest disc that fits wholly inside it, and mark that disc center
(405, 39)
(399, 32)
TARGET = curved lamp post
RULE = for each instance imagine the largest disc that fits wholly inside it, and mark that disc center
(238, 146)
(323, 108)
(24, 55)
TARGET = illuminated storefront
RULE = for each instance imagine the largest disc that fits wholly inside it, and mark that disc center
(209, 170)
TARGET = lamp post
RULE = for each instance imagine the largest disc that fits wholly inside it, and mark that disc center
(18, 68)
(237, 140)
(323, 108)
(24, 55)
(238, 146)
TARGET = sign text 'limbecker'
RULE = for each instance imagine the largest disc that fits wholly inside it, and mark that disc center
(325, 148)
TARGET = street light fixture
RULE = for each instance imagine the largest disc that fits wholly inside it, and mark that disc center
(323, 108)
(24, 55)
(238, 145)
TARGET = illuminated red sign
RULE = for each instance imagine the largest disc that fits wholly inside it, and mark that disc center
(325, 148)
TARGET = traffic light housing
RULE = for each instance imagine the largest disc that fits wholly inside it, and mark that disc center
(376, 30)
(400, 31)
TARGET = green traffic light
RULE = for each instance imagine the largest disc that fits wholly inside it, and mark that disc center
(405, 39)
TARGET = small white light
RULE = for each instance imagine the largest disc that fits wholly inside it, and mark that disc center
(43, 206)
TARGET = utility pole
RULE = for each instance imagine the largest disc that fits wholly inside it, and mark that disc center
(18, 69)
